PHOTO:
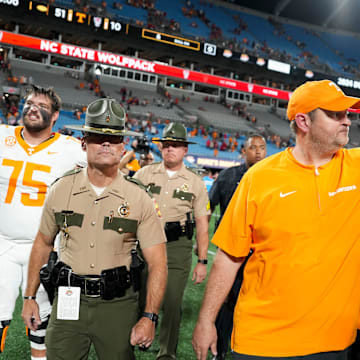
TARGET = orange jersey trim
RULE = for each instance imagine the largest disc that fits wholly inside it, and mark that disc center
(31, 150)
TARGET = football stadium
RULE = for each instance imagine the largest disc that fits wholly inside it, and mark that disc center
(224, 69)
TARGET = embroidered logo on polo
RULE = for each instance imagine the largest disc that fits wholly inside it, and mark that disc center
(343, 189)
(282, 195)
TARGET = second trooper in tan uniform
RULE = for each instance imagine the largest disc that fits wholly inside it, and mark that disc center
(101, 214)
(181, 196)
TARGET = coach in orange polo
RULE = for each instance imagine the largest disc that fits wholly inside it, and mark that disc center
(299, 212)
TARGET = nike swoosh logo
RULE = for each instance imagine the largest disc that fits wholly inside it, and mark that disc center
(51, 152)
(287, 194)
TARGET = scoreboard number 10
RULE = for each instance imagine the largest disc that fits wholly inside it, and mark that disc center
(115, 26)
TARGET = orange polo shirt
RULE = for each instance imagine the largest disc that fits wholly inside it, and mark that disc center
(301, 289)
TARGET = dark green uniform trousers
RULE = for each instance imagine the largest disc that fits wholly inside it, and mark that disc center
(105, 323)
(179, 255)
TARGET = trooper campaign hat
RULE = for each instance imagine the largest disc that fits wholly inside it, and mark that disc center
(324, 94)
(175, 132)
(105, 117)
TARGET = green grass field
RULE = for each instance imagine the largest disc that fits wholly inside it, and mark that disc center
(17, 346)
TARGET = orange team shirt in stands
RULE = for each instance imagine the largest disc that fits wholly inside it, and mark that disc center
(300, 293)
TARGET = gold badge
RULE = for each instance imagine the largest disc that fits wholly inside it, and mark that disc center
(184, 187)
(124, 210)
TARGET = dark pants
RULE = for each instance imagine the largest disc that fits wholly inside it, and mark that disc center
(354, 353)
(105, 323)
(224, 320)
(332, 355)
(179, 265)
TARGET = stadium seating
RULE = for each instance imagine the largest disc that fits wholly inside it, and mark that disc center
(259, 31)
(347, 45)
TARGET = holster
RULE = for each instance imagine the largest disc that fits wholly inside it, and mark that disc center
(136, 267)
(172, 230)
(114, 282)
(189, 226)
(47, 278)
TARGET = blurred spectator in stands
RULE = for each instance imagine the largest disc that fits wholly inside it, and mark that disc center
(116, 5)
(235, 145)
(193, 132)
(214, 135)
(11, 119)
(77, 5)
(65, 131)
(77, 114)
(81, 86)
(123, 92)
(223, 146)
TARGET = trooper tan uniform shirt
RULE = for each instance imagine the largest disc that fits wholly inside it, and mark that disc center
(99, 231)
(177, 195)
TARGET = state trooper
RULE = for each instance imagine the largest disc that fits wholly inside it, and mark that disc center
(101, 215)
(182, 197)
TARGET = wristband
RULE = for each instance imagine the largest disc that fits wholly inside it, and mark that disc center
(203, 261)
(29, 297)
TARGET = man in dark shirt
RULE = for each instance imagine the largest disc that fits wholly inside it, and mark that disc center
(221, 193)
(223, 188)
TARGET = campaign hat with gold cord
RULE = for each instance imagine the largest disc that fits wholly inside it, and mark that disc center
(174, 132)
(105, 117)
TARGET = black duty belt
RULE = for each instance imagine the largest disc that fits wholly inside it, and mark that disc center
(174, 230)
(110, 284)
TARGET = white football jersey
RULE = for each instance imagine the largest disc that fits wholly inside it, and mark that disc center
(26, 172)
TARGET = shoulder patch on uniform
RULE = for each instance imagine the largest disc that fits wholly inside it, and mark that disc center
(154, 163)
(72, 172)
(138, 183)
(193, 170)
(68, 173)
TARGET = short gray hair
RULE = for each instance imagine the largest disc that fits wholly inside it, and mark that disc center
(293, 126)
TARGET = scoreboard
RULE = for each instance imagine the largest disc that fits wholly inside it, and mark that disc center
(74, 16)
(170, 39)
(63, 15)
